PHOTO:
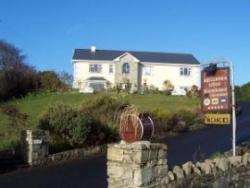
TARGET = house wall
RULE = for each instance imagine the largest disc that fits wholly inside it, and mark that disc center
(159, 73)
(132, 76)
(81, 71)
(162, 72)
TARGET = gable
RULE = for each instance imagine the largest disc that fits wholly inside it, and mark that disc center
(126, 57)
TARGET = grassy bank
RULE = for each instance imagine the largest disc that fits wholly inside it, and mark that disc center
(36, 105)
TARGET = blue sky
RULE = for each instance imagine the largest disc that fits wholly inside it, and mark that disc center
(48, 30)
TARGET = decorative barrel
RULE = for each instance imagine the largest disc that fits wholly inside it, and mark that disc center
(134, 128)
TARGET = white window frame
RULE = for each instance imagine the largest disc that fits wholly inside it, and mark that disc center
(111, 69)
(185, 71)
(147, 71)
(125, 68)
(95, 68)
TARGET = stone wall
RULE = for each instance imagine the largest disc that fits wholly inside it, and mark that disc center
(132, 76)
(216, 173)
(140, 164)
(143, 164)
(35, 150)
(70, 155)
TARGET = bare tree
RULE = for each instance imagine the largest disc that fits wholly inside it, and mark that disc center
(66, 78)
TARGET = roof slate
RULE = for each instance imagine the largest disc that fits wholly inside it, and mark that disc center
(153, 57)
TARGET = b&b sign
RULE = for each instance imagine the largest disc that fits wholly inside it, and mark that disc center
(215, 96)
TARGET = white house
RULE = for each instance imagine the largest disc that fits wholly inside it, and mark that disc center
(95, 69)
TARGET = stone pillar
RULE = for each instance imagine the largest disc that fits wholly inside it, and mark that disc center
(34, 145)
(140, 164)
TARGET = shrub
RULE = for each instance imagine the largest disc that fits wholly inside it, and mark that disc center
(160, 119)
(128, 86)
(67, 123)
(92, 124)
(177, 123)
(193, 92)
(56, 146)
(168, 86)
(95, 122)
(104, 108)
(117, 88)
(188, 116)
(167, 92)
(153, 90)
(180, 121)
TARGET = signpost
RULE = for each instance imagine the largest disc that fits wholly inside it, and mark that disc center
(217, 96)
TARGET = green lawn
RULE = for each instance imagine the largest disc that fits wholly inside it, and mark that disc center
(170, 104)
(35, 106)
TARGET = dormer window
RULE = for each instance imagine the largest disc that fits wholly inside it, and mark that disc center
(125, 68)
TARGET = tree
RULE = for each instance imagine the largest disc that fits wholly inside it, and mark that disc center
(243, 92)
(16, 77)
(237, 90)
(50, 81)
(66, 78)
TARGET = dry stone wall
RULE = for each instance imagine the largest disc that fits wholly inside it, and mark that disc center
(70, 155)
(143, 164)
(216, 173)
(35, 150)
(140, 164)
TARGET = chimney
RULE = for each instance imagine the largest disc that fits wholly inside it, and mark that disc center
(93, 48)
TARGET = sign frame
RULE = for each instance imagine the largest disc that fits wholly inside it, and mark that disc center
(229, 96)
(231, 85)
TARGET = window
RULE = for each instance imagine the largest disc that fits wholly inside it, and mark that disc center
(185, 71)
(95, 68)
(111, 69)
(125, 68)
(148, 71)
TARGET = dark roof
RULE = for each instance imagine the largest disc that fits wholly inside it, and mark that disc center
(86, 54)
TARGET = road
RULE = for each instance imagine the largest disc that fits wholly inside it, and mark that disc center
(91, 173)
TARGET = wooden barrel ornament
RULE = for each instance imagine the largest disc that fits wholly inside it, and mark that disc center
(134, 128)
